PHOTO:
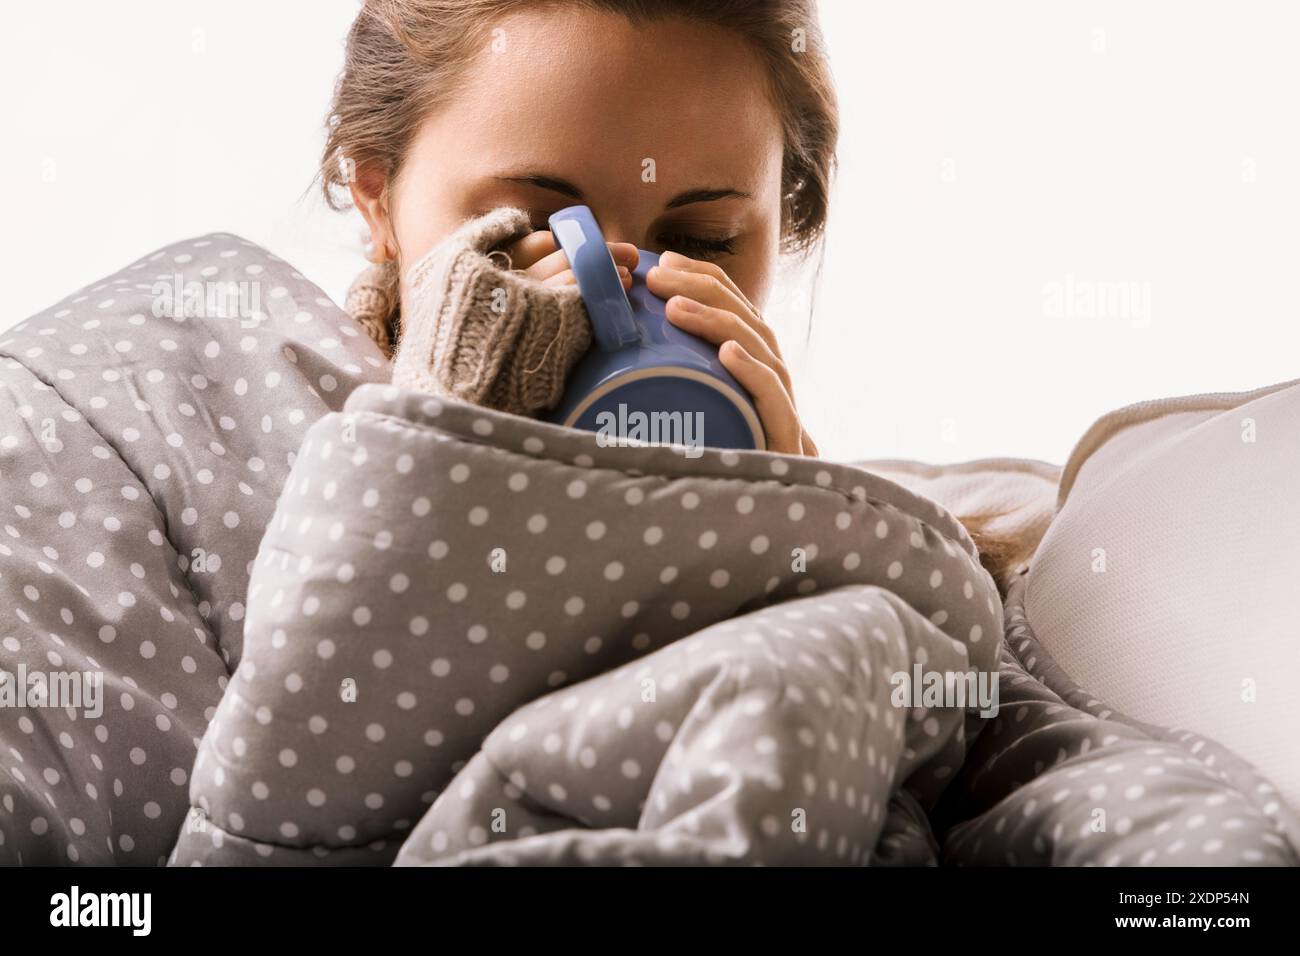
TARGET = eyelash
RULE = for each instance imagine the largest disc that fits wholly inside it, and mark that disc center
(696, 247)
(700, 247)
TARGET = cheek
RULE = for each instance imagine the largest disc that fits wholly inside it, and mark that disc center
(758, 287)
(755, 272)
(424, 199)
(420, 222)
(422, 216)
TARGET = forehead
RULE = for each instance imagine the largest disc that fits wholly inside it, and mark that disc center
(594, 96)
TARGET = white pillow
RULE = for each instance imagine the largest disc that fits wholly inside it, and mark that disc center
(1167, 584)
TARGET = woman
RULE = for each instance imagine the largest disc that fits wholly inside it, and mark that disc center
(705, 131)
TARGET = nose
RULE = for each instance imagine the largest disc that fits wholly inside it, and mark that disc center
(619, 225)
(616, 231)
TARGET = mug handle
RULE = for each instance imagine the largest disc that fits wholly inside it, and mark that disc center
(612, 322)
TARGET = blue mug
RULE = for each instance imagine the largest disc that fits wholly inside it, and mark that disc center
(644, 381)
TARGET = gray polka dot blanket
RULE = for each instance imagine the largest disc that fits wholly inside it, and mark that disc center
(259, 607)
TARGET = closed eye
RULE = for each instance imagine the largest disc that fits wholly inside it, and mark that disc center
(699, 247)
(695, 247)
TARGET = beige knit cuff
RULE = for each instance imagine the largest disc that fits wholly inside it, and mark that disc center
(484, 334)
(372, 303)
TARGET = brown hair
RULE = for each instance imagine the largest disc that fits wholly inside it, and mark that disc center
(404, 57)
(1001, 552)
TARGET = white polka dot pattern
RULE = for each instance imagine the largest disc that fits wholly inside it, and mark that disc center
(431, 567)
(471, 638)
(1060, 778)
(142, 450)
(770, 738)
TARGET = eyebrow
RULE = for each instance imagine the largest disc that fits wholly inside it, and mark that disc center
(566, 188)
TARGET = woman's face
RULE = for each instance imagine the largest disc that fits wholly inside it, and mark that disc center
(664, 129)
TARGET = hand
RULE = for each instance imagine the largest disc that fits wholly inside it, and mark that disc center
(539, 256)
(703, 300)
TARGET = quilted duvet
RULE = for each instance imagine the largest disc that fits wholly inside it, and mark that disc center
(258, 607)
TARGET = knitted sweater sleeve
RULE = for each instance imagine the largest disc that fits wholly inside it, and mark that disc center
(484, 334)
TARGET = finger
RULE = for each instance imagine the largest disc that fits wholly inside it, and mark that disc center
(718, 326)
(809, 446)
(775, 410)
(555, 262)
(625, 254)
(675, 260)
(709, 288)
(568, 278)
(561, 278)
(548, 266)
(533, 247)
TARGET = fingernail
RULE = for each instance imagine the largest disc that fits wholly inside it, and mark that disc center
(685, 304)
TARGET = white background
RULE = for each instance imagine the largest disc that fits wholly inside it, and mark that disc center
(991, 152)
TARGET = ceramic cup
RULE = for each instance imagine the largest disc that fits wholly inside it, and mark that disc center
(644, 380)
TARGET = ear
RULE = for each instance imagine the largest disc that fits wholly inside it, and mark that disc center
(370, 194)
